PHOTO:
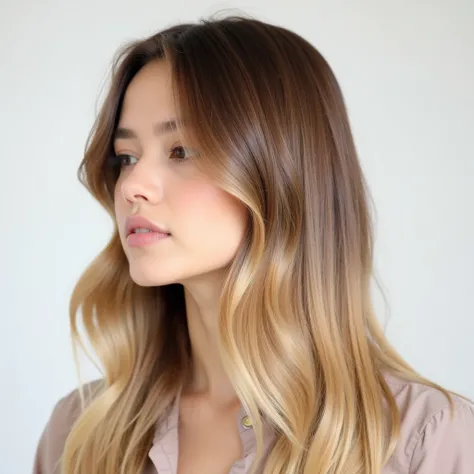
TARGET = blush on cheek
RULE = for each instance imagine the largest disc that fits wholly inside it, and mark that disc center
(200, 190)
(210, 210)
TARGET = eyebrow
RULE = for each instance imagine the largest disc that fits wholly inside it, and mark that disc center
(159, 128)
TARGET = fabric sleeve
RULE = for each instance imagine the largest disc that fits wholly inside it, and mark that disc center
(53, 438)
(446, 446)
(49, 446)
(38, 466)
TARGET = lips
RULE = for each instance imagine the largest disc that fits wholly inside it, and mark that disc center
(135, 222)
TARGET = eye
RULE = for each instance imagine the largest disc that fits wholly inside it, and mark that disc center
(120, 160)
(182, 152)
(124, 159)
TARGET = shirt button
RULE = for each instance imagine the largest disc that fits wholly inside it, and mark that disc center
(246, 422)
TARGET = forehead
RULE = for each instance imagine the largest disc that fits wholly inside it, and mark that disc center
(149, 93)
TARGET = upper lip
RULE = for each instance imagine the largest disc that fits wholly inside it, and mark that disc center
(134, 222)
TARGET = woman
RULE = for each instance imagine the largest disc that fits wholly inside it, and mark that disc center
(231, 309)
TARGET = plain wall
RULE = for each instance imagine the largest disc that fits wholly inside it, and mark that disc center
(407, 71)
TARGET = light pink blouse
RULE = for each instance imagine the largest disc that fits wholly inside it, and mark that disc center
(430, 442)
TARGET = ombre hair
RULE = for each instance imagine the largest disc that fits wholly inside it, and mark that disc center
(298, 334)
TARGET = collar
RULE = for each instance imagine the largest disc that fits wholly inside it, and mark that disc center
(164, 451)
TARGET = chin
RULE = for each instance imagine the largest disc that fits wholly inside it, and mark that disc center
(144, 277)
(142, 281)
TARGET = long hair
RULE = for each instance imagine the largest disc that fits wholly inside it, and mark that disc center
(297, 331)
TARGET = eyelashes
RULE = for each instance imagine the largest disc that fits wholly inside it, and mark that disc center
(117, 160)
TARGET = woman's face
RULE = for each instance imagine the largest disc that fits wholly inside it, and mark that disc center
(206, 223)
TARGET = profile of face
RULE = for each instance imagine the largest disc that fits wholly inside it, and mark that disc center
(159, 182)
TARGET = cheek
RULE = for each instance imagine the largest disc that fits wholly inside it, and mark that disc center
(212, 215)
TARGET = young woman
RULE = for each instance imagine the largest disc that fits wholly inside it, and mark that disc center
(231, 308)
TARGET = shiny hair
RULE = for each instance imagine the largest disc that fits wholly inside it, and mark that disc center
(298, 333)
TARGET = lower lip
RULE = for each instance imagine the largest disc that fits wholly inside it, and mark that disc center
(145, 238)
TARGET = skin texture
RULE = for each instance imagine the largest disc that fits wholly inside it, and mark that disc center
(206, 223)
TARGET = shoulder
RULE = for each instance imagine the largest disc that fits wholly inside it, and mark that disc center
(62, 417)
(431, 440)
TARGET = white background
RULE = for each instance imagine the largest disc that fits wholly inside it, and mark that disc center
(407, 71)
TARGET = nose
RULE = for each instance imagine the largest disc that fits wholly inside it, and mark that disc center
(140, 183)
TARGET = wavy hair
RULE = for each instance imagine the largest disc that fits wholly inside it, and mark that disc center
(298, 333)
